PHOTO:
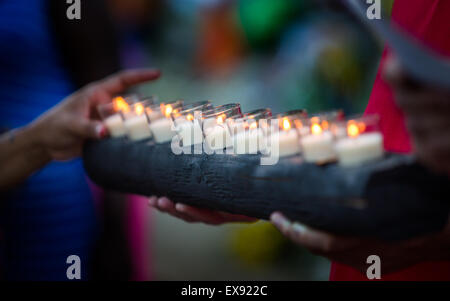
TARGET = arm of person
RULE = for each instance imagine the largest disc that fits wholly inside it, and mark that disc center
(21, 154)
(59, 133)
(196, 215)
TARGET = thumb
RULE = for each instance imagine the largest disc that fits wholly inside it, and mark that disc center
(393, 72)
(89, 129)
(396, 76)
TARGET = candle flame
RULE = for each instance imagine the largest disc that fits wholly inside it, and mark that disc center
(316, 129)
(168, 110)
(139, 109)
(253, 125)
(120, 104)
(362, 127)
(286, 124)
(298, 124)
(353, 129)
(221, 118)
(190, 117)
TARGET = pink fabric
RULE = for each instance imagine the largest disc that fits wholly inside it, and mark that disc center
(138, 233)
(138, 217)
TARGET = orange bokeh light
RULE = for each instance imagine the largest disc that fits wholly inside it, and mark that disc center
(168, 110)
(221, 118)
(286, 124)
(298, 124)
(139, 109)
(120, 105)
(190, 117)
(316, 129)
(353, 129)
(362, 127)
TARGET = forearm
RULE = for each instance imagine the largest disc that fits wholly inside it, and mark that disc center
(21, 154)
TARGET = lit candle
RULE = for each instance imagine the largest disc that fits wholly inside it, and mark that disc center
(188, 122)
(318, 146)
(136, 123)
(215, 125)
(189, 130)
(282, 133)
(154, 112)
(250, 140)
(218, 136)
(162, 126)
(359, 146)
(288, 139)
(112, 116)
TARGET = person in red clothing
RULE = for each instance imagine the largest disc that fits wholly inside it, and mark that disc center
(414, 118)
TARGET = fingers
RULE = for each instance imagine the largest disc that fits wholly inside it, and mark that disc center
(126, 79)
(300, 234)
(193, 214)
(165, 205)
(202, 215)
(318, 242)
(86, 128)
(394, 74)
(237, 218)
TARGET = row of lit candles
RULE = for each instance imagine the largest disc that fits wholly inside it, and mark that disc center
(322, 138)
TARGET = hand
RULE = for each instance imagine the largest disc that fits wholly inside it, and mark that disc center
(62, 130)
(427, 115)
(192, 214)
(353, 251)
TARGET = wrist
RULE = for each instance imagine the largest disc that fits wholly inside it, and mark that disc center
(34, 137)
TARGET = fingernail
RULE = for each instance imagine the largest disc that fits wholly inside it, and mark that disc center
(180, 207)
(280, 221)
(164, 203)
(299, 227)
(152, 202)
(100, 130)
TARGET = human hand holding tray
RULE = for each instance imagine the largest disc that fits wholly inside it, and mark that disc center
(391, 199)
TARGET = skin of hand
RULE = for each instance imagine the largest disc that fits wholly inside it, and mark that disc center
(353, 251)
(63, 129)
(59, 133)
(427, 115)
(192, 214)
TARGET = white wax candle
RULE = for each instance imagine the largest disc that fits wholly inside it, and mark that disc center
(115, 125)
(190, 132)
(209, 124)
(154, 115)
(248, 141)
(288, 143)
(218, 137)
(361, 149)
(162, 130)
(137, 127)
(318, 147)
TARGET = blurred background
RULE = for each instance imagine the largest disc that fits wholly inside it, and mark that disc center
(284, 55)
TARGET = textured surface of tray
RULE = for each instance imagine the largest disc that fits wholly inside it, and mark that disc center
(394, 198)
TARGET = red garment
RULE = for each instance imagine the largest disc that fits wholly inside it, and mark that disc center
(429, 21)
